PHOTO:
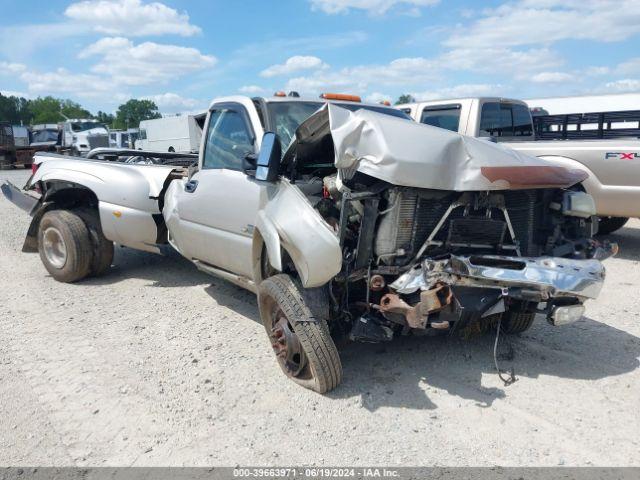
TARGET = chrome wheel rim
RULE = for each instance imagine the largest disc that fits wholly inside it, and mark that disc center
(55, 250)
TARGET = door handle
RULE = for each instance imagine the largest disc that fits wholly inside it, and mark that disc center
(191, 186)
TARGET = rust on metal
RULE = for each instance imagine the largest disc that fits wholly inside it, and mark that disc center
(417, 316)
(377, 283)
(534, 176)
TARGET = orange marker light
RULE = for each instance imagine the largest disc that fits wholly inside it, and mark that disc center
(280, 94)
(341, 96)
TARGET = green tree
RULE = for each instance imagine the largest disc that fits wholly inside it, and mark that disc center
(14, 110)
(105, 118)
(45, 110)
(134, 111)
(73, 110)
(52, 110)
(405, 98)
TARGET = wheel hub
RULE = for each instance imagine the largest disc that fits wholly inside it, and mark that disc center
(55, 250)
(286, 346)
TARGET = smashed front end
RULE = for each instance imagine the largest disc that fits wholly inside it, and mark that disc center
(441, 232)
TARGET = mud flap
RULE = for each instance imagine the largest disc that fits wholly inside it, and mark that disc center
(18, 197)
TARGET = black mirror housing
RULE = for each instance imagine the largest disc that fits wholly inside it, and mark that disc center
(249, 164)
(268, 163)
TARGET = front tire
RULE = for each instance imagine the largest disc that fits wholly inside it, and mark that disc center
(609, 225)
(517, 322)
(302, 343)
(65, 246)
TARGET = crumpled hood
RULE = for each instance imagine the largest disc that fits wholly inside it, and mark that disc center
(412, 154)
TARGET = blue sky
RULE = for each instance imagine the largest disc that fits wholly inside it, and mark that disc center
(183, 54)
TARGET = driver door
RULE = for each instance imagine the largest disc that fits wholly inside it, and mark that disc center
(219, 205)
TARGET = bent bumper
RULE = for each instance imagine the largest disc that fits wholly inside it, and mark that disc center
(533, 279)
(546, 277)
(18, 197)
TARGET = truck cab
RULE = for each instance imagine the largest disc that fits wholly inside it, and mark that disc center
(232, 133)
(79, 136)
(502, 119)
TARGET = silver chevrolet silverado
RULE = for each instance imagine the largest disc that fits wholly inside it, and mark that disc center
(613, 166)
(345, 219)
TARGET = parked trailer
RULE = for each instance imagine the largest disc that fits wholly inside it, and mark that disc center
(7, 146)
(171, 134)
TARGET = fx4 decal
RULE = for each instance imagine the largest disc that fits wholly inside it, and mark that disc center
(622, 155)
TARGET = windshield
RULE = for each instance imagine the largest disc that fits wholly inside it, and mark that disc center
(45, 136)
(287, 116)
(82, 126)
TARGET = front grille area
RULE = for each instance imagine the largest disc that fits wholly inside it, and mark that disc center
(419, 214)
(480, 231)
(97, 141)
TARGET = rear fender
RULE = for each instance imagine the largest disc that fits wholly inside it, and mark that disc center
(610, 200)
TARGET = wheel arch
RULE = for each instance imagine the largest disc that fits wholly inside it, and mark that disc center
(58, 194)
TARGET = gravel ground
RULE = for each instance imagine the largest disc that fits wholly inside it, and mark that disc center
(158, 364)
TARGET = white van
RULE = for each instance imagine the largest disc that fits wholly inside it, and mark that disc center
(171, 134)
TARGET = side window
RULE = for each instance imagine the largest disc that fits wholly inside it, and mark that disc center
(143, 134)
(505, 120)
(228, 140)
(495, 120)
(522, 124)
(443, 116)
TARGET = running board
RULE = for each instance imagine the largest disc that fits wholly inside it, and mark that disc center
(225, 275)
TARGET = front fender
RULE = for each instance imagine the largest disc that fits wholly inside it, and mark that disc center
(289, 222)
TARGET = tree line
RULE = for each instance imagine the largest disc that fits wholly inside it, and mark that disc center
(24, 111)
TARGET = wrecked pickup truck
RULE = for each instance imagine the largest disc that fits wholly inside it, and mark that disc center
(344, 218)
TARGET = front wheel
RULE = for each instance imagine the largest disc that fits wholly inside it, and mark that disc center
(609, 225)
(517, 322)
(64, 244)
(303, 346)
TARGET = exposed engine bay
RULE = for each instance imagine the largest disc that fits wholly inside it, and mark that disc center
(419, 260)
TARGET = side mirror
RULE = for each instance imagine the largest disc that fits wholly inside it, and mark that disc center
(268, 163)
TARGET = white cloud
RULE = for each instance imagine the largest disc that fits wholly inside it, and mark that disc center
(535, 22)
(377, 97)
(7, 68)
(630, 67)
(173, 103)
(64, 81)
(458, 91)
(552, 77)
(376, 7)
(145, 63)
(251, 89)
(624, 85)
(131, 18)
(516, 63)
(596, 71)
(293, 64)
(12, 93)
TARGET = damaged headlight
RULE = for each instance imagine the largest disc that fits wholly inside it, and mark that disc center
(578, 204)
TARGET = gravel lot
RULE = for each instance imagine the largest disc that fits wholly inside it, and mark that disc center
(158, 364)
